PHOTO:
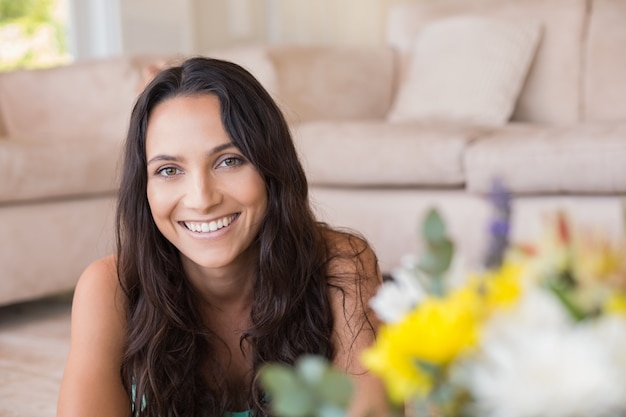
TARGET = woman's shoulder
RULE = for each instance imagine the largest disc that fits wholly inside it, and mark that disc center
(101, 274)
(345, 241)
(350, 253)
(98, 288)
(91, 379)
(103, 266)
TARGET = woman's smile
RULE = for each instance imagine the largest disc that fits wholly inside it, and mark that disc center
(210, 227)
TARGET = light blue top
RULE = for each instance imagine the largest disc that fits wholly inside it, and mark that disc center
(236, 414)
(226, 413)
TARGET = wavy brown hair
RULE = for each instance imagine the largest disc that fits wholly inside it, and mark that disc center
(168, 367)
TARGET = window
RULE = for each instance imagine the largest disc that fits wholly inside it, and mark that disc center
(33, 34)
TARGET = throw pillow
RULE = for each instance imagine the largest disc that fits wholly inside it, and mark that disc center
(466, 69)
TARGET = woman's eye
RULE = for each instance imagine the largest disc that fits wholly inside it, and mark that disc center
(231, 162)
(168, 171)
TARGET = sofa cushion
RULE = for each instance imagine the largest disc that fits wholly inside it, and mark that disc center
(551, 93)
(43, 170)
(605, 62)
(467, 68)
(374, 153)
(539, 160)
(333, 83)
(85, 99)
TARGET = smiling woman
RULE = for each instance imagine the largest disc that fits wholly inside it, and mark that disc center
(207, 183)
(220, 266)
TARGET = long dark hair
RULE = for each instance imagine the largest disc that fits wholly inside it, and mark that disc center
(168, 367)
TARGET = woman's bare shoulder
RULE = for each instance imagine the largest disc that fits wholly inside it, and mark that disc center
(91, 380)
(355, 277)
(100, 271)
(98, 296)
(349, 254)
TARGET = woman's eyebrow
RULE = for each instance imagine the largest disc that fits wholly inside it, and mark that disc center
(159, 158)
(222, 147)
(170, 158)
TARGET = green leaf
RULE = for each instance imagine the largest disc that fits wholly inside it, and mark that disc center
(327, 410)
(312, 368)
(297, 403)
(275, 376)
(624, 214)
(336, 388)
(438, 251)
(436, 259)
(433, 227)
(562, 294)
(290, 396)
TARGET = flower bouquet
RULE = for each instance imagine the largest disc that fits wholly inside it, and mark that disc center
(539, 330)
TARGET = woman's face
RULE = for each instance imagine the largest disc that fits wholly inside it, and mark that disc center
(206, 198)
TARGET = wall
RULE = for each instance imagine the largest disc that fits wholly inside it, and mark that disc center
(158, 26)
(113, 27)
(94, 29)
(321, 22)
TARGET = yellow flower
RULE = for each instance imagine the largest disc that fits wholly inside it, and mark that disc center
(500, 288)
(616, 304)
(399, 371)
(441, 328)
(436, 333)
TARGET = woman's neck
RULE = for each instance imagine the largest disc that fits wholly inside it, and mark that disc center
(228, 289)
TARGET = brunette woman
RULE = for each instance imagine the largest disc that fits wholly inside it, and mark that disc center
(221, 265)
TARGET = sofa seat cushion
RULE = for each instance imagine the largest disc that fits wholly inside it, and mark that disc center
(374, 153)
(542, 160)
(44, 170)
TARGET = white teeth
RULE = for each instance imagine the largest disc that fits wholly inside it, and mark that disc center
(210, 226)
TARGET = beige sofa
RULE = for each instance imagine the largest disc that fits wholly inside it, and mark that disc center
(564, 147)
(60, 142)
(562, 144)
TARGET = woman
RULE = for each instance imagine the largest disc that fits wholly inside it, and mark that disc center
(220, 265)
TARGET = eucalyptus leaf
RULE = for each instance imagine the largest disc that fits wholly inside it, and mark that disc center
(275, 377)
(436, 259)
(312, 368)
(294, 403)
(328, 410)
(433, 227)
(336, 388)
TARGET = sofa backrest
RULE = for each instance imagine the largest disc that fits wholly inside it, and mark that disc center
(552, 91)
(333, 83)
(91, 99)
(604, 85)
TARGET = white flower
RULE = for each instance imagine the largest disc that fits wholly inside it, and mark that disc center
(537, 309)
(397, 297)
(529, 367)
(611, 333)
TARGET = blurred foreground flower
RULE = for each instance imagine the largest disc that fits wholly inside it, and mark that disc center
(539, 331)
(310, 389)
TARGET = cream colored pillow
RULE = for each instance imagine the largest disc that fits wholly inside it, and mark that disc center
(467, 69)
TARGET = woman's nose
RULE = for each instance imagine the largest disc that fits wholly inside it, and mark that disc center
(202, 193)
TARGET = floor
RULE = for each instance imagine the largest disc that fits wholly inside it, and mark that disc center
(34, 341)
